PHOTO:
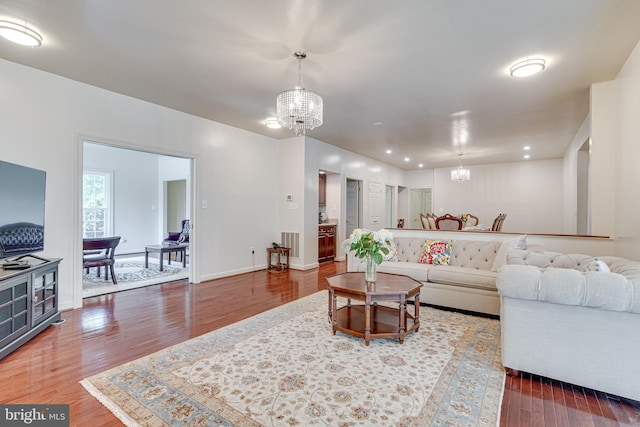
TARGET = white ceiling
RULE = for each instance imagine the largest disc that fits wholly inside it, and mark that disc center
(424, 69)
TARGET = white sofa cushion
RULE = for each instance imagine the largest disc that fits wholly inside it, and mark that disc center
(414, 270)
(462, 276)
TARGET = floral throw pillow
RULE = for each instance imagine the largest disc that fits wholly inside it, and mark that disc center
(437, 252)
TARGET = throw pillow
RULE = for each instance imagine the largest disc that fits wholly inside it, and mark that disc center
(519, 242)
(184, 234)
(597, 265)
(437, 252)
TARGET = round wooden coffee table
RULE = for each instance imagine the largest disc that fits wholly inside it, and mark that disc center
(371, 320)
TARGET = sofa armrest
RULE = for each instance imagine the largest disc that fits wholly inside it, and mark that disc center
(601, 290)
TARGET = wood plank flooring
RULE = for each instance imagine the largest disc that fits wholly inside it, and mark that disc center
(117, 328)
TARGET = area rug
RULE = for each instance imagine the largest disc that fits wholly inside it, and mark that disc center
(130, 274)
(284, 367)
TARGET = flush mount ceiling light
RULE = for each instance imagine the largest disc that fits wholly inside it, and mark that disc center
(20, 34)
(527, 68)
(460, 174)
(272, 123)
(299, 109)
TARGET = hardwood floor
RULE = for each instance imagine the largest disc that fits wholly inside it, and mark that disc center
(117, 328)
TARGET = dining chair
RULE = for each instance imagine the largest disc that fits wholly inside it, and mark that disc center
(472, 220)
(100, 252)
(424, 219)
(448, 222)
(497, 223)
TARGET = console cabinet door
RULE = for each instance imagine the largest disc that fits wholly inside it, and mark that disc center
(14, 309)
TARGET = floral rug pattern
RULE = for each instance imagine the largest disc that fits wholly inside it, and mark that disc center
(285, 367)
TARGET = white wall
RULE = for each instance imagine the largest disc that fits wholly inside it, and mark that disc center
(529, 192)
(44, 118)
(627, 152)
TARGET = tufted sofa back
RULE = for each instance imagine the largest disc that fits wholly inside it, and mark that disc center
(409, 249)
(548, 259)
(476, 254)
(464, 253)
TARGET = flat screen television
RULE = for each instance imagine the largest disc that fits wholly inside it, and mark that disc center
(22, 204)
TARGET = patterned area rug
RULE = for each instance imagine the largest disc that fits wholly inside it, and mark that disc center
(284, 367)
(131, 274)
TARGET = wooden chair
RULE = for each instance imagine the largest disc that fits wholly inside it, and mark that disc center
(425, 221)
(472, 220)
(497, 223)
(100, 252)
(448, 222)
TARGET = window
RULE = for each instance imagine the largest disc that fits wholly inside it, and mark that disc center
(96, 204)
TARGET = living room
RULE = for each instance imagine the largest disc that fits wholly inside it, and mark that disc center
(242, 178)
(231, 165)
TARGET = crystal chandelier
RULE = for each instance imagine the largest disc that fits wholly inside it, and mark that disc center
(299, 109)
(460, 175)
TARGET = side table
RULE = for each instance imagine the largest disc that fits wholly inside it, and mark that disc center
(282, 256)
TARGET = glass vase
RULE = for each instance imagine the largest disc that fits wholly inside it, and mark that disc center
(370, 270)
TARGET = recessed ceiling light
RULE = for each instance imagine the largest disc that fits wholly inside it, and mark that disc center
(377, 123)
(528, 67)
(388, 151)
(272, 123)
(526, 156)
(406, 159)
(526, 148)
(420, 165)
(20, 34)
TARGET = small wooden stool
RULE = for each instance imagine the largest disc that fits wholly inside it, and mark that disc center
(282, 264)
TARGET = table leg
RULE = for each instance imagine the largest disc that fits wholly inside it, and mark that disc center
(416, 303)
(279, 265)
(183, 254)
(161, 260)
(367, 320)
(334, 314)
(403, 311)
(146, 259)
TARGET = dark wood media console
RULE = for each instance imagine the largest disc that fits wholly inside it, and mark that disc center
(28, 302)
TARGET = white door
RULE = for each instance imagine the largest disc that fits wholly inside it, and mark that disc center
(375, 205)
(419, 202)
(388, 207)
(353, 206)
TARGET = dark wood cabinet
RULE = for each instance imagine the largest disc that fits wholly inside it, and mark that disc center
(322, 190)
(326, 243)
(28, 303)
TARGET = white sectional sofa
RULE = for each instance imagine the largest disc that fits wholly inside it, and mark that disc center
(468, 282)
(566, 317)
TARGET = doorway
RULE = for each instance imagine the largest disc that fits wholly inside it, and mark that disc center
(353, 203)
(175, 204)
(420, 202)
(389, 205)
(149, 196)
